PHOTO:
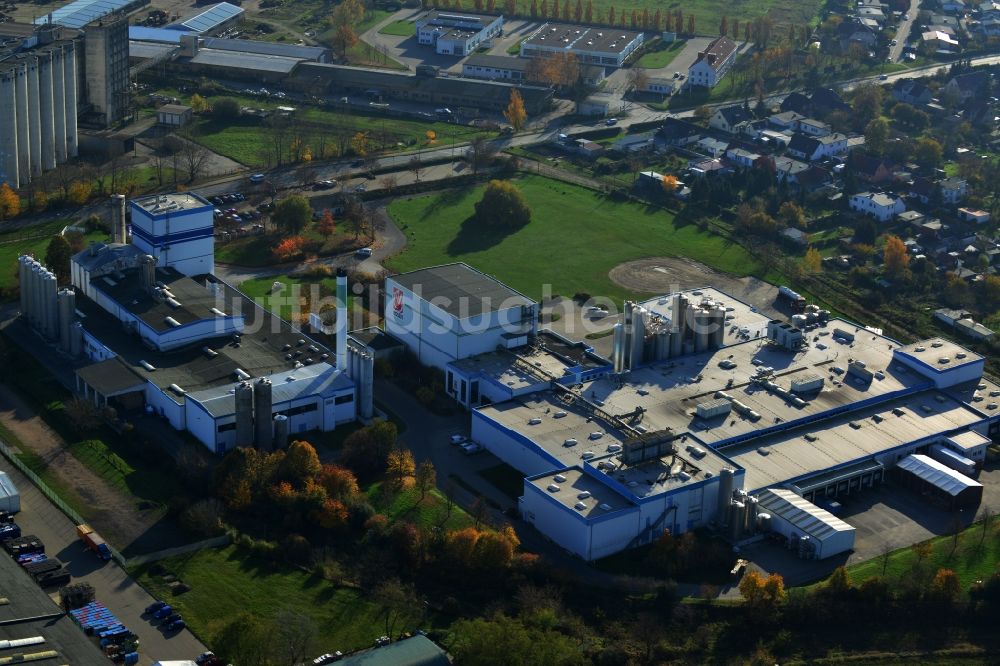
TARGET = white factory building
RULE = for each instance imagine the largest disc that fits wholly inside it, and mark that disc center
(157, 331)
(708, 414)
(451, 312)
(606, 47)
(457, 34)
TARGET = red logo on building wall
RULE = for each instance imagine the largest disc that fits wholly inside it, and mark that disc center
(397, 301)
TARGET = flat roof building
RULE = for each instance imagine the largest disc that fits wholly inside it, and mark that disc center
(452, 33)
(609, 47)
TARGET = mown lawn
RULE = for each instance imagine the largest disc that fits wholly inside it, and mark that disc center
(318, 291)
(661, 56)
(406, 506)
(32, 240)
(399, 29)
(975, 557)
(228, 581)
(246, 140)
(575, 237)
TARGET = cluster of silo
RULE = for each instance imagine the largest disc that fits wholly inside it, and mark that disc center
(255, 424)
(812, 315)
(736, 512)
(46, 308)
(38, 100)
(361, 368)
(646, 337)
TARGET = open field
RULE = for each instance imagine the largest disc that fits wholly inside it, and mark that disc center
(33, 240)
(246, 140)
(428, 513)
(400, 29)
(228, 581)
(708, 13)
(258, 249)
(661, 55)
(575, 238)
(281, 302)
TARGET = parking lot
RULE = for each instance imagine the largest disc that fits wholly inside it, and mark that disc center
(113, 586)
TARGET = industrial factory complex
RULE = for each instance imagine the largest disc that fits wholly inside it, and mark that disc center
(708, 413)
(156, 330)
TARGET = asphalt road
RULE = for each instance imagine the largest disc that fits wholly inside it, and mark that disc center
(903, 31)
(113, 586)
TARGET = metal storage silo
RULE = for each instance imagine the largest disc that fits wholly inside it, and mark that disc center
(638, 338)
(763, 522)
(147, 266)
(341, 319)
(726, 482)
(69, 85)
(262, 413)
(51, 299)
(750, 516)
(22, 280)
(618, 348)
(34, 119)
(67, 308)
(280, 431)
(244, 414)
(718, 327)
(58, 104)
(46, 119)
(21, 108)
(8, 128)
(737, 511)
(118, 219)
(34, 278)
(367, 388)
(702, 325)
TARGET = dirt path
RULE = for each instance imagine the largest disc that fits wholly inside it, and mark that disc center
(114, 515)
(661, 275)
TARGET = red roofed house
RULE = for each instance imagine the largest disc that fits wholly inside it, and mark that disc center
(713, 63)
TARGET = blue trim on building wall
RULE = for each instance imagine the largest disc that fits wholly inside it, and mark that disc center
(179, 237)
(173, 214)
(518, 437)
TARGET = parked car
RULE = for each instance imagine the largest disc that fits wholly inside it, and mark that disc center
(155, 606)
(173, 617)
(364, 252)
(328, 658)
(257, 178)
(204, 657)
(458, 439)
(176, 625)
(471, 448)
(164, 612)
(382, 640)
(360, 187)
(611, 121)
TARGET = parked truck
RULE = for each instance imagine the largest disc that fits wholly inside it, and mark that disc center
(93, 541)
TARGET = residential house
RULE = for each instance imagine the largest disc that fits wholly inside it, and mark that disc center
(731, 119)
(953, 6)
(911, 218)
(870, 13)
(973, 215)
(788, 170)
(706, 167)
(786, 120)
(813, 148)
(940, 41)
(713, 147)
(855, 32)
(911, 91)
(814, 178)
(796, 236)
(814, 127)
(587, 148)
(741, 157)
(953, 190)
(676, 132)
(712, 63)
(871, 169)
(922, 189)
(969, 84)
(883, 207)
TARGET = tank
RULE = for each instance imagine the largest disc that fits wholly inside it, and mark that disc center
(366, 390)
(737, 511)
(58, 105)
(22, 280)
(662, 346)
(147, 266)
(50, 302)
(718, 333)
(34, 119)
(763, 522)
(118, 234)
(280, 431)
(677, 326)
(45, 109)
(618, 348)
(725, 495)
(750, 515)
(341, 318)
(638, 337)
(702, 330)
(67, 313)
(21, 108)
(69, 85)
(262, 412)
(34, 278)
(244, 414)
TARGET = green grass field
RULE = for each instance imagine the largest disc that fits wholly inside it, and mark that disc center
(246, 139)
(427, 513)
(661, 56)
(225, 582)
(399, 29)
(33, 240)
(575, 237)
(974, 558)
(260, 290)
(707, 13)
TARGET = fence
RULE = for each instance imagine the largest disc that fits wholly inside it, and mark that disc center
(11, 455)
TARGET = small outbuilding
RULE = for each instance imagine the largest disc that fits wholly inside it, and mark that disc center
(928, 476)
(174, 115)
(796, 518)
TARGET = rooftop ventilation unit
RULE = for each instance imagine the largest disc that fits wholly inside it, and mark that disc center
(553, 488)
(149, 366)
